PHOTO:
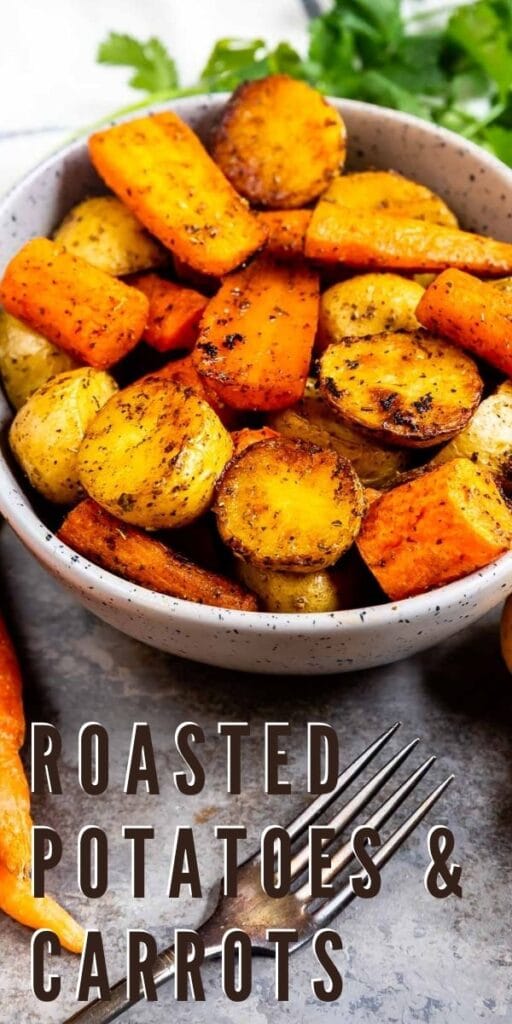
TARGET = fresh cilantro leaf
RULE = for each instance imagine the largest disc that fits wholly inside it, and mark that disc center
(155, 70)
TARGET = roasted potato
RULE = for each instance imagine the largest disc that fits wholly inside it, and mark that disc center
(27, 360)
(312, 419)
(279, 142)
(289, 591)
(368, 304)
(504, 284)
(153, 455)
(487, 438)
(289, 505)
(406, 389)
(105, 232)
(391, 193)
(47, 431)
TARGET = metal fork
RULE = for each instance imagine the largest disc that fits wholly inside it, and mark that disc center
(253, 911)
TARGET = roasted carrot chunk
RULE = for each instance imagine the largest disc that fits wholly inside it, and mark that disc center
(286, 231)
(17, 901)
(245, 437)
(185, 372)
(381, 240)
(440, 526)
(472, 313)
(257, 334)
(15, 820)
(159, 168)
(132, 554)
(279, 141)
(81, 309)
(174, 312)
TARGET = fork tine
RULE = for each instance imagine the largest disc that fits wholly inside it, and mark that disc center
(349, 811)
(341, 899)
(343, 856)
(322, 802)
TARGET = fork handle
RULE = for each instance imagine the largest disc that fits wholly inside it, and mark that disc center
(102, 1011)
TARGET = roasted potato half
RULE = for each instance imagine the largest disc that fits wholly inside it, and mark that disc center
(153, 455)
(406, 389)
(289, 505)
(368, 304)
(27, 360)
(105, 232)
(279, 142)
(289, 591)
(47, 431)
(389, 192)
(312, 419)
(487, 438)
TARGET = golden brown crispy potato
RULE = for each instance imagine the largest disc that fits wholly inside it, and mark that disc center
(368, 304)
(289, 505)
(279, 142)
(391, 193)
(27, 360)
(47, 431)
(312, 419)
(291, 591)
(153, 455)
(487, 438)
(407, 389)
(105, 232)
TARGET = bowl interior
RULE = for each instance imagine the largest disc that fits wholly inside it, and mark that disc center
(474, 184)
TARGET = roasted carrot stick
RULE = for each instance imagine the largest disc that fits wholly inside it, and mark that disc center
(81, 309)
(185, 372)
(473, 313)
(257, 333)
(159, 168)
(17, 901)
(286, 231)
(438, 527)
(15, 820)
(174, 312)
(133, 554)
(245, 437)
(400, 243)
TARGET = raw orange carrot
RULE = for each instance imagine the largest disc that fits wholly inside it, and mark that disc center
(159, 168)
(257, 333)
(15, 820)
(134, 555)
(400, 243)
(245, 437)
(17, 901)
(436, 528)
(472, 313)
(174, 312)
(286, 231)
(81, 309)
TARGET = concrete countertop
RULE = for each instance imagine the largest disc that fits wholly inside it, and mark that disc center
(407, 957)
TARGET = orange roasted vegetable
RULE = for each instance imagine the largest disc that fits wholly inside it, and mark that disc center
(81, 309)
(17, 901)
(472, 313)
(132, 554)
(388, 192)
(184, 371)
(286, 231)
(174, 312)
(160, 169)
(279, 142)
(15, 820)
(245, 437)
(440, 526)
(257, 333)
(380, 240)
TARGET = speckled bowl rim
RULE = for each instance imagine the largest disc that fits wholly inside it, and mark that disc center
(78, 573)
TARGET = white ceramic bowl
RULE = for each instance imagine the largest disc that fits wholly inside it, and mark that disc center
(479, 189)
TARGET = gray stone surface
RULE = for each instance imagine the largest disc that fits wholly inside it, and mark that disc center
(407, 958)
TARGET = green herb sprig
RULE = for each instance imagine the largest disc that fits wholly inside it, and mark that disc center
(455, 70)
